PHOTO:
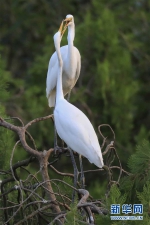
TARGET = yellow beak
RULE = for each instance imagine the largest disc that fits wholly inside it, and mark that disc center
(67, 20)
(61, 29)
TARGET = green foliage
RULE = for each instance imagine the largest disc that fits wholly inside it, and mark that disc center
(73, 216)
(6, 141)
(115, 196)
(103, 219)
(97, 190)
(66, 189)
(4, 78)
(113, 38)
(6, 136)
(144, 198)
(109, 73)
(139, 164)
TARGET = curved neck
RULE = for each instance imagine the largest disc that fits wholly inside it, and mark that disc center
(59, 89)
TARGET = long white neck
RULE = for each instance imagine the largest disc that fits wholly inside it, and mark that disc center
(71, 34)
(59, 89)
(70, 55)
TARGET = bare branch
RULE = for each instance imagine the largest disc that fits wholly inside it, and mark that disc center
(57, 219)
(63, 174)
(33, 214)
(37, 120)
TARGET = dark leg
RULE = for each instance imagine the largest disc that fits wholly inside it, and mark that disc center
(55, 139)
(56, 147)
(82, 178)
(68, 97)
(75, 172)
(55, 135)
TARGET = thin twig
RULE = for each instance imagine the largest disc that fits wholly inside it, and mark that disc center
(60, 173)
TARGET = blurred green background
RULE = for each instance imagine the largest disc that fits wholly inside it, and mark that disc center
(114, 85)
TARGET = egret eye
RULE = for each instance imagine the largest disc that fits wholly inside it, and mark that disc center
(68, 20)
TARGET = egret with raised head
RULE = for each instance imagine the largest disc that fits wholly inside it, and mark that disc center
(71, 65)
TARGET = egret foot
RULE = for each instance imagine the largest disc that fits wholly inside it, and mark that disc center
(57, 149)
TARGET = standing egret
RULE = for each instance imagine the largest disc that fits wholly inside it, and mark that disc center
(71, 65)
(72, 125)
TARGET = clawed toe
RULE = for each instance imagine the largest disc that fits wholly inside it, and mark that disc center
(57, 150)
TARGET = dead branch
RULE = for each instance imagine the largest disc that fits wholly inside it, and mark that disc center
(63, 174)
(32, 193)
(41, 156)
(33, 214)
(105, 138)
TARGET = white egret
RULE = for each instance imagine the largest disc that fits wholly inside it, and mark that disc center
(71, 65)
(72, 125)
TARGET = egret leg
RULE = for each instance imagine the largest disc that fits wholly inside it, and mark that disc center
(55, 135)
(68, 97)
(75, 172)
(56, 147)
(82, 178)
(55, 139)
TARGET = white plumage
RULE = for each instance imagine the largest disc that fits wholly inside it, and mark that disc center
(72, 125)
(71, 66)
